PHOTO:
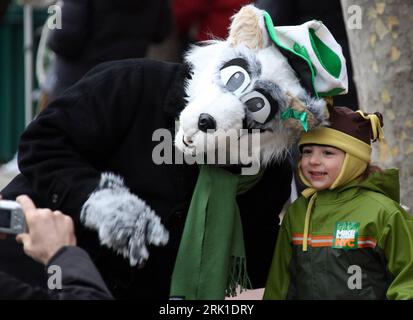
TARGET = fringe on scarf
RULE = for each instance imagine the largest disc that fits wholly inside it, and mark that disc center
(238, 277)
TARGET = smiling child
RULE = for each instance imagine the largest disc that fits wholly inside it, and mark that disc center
(346, 237)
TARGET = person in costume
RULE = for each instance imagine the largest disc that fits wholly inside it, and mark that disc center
(160, 228)
(346, 237)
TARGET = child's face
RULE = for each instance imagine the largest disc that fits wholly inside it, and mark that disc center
(321, 165)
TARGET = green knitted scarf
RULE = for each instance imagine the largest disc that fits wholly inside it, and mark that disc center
(211, 259)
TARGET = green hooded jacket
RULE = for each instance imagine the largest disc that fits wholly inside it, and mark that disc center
(360, 245)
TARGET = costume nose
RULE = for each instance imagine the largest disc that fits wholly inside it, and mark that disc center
(206, 122)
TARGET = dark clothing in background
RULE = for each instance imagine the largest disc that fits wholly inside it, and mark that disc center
(79, 279)
(209, 18)
(105, 123)
(295, 12)
(3, 7)
(15, 262)
(96, 31)
(202, 20)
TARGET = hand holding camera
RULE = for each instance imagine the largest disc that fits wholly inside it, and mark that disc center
(46, 232)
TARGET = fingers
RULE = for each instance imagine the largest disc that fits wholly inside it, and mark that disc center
(70, 228)
(26, 203)
(24, 238)
(29, 247)
(29, 208)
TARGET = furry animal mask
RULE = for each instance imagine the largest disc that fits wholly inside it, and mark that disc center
(246, 82)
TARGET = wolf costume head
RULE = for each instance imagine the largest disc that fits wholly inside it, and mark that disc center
(264, 78)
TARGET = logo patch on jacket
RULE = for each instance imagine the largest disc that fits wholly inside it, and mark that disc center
(346, 235)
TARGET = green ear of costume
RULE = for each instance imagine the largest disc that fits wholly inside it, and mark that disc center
(297, 58)
(313, 54)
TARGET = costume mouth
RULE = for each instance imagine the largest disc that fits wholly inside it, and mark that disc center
(188, 149)
(186, 145)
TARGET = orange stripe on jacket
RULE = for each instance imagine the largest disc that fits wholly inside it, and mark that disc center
(327, 241)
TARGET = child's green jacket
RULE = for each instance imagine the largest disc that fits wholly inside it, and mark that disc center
(360, 245)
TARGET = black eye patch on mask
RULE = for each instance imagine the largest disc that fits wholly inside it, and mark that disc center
(261, 105)
(235, 75)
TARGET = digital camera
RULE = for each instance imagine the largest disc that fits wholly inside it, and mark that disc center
(11, 217)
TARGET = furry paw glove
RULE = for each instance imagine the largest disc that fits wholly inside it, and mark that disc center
(123, 221)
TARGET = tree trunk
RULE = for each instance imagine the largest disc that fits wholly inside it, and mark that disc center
(381, 49)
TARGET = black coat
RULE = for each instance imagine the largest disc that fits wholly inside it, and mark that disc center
(105, 123)
(3, 7)
(79, 280)
(96, 31)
